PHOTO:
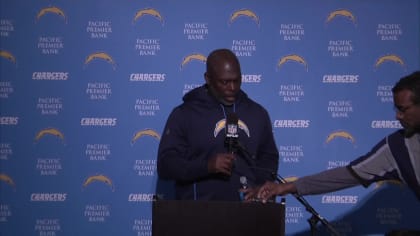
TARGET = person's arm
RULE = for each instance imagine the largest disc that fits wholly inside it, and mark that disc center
(376, 165)
(323, 182)
(326, 181)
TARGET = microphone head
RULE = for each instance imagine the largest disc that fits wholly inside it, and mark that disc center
(232, 125)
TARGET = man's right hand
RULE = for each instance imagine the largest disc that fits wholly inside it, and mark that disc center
(221, 163)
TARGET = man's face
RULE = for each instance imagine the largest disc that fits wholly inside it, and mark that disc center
(225, 82)
(407, 112)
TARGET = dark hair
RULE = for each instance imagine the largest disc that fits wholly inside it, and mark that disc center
(410, 82)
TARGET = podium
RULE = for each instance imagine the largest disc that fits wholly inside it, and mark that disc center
(217, 218)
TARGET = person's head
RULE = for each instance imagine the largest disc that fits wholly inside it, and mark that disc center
(406, 94)
(223, 75)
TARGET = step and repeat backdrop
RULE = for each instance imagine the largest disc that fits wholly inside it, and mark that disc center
(86, 87)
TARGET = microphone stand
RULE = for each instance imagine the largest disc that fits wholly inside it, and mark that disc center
(315, 218)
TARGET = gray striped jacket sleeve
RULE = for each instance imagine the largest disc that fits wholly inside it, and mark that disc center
(326, 181)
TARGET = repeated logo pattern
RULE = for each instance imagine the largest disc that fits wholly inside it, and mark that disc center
(92, 83)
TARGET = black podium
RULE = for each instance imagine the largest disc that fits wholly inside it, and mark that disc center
(214, 218)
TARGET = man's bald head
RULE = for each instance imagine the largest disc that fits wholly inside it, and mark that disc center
(219, 58)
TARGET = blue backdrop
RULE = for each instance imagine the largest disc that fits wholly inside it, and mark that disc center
(86, 87)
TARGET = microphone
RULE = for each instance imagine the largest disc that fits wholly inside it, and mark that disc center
(231, 129)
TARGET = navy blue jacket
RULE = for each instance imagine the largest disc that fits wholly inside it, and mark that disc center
(194, 132)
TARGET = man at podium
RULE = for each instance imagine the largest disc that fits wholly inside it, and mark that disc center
(218, 140)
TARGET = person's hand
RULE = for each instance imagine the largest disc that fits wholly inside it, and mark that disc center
(221, 163)
(250, 193)
(272, 189)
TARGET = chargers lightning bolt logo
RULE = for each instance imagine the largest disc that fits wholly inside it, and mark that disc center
(98, 178)
(340, 134)
(220, 125)
(291, 179)
(294, 58)
(54, 10)
(5, 178)
(101, 56)
(7, 55)
(146, 132)
(390, 57)
(244, 12)
(342, 13)
(49, 131)
(193, 57)
(150, 12)
(385, 182)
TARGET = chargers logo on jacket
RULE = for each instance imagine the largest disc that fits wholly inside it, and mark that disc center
(220, 125)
